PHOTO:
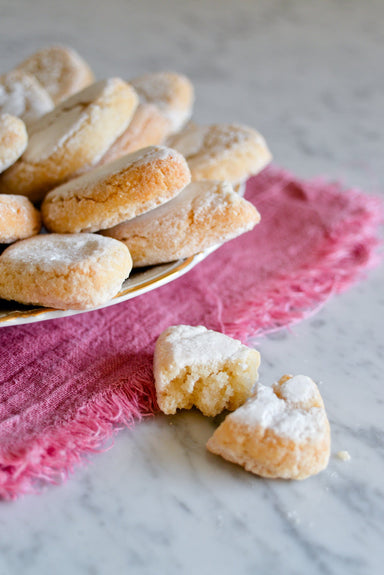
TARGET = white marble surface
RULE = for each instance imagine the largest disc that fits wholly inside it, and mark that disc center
(310, 76)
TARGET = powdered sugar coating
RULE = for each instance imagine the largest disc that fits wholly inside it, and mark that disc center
(275, 437)
(194, 366)
(60, 70)
(301, 426)
(71, 271)
(198, 196)
(283, 416)
(196, 345)
(208, 143)
(221, 151)
(299, 390)
(57, 251)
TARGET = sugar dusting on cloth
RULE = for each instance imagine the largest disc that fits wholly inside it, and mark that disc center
(67, 385)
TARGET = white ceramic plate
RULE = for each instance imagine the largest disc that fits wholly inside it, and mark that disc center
(140, 282)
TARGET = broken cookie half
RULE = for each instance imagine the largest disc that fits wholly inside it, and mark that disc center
(194, 366)
(281, 431)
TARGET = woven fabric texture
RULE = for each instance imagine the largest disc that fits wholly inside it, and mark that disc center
(67, 385)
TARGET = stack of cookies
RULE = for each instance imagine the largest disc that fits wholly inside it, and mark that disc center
(98, 177)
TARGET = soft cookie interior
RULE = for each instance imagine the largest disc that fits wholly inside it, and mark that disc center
(194, 366)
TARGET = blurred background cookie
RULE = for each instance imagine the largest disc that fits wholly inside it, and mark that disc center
(221, 151)
(171, 93)
(165, 105)
(22, 95)
(60, 70)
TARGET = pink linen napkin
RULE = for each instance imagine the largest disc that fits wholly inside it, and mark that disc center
(67, 385)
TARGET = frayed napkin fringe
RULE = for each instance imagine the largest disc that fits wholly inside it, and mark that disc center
(346, 257)
(51, 458)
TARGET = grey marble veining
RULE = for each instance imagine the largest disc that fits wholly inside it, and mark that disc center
(310, 76)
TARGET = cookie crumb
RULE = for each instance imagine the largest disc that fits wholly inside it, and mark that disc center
(343, 455)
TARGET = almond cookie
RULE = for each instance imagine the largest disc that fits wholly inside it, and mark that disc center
(116, 192)
(202, 215)
(194, 366)
(221, 151)
(165, 105)
(19, 219)
(71, 138)
(60, 70)
(281, 431)
(23, 96)
(13, 140)
(71, 271)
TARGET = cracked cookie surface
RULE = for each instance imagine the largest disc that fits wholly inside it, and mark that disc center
(116, 192)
